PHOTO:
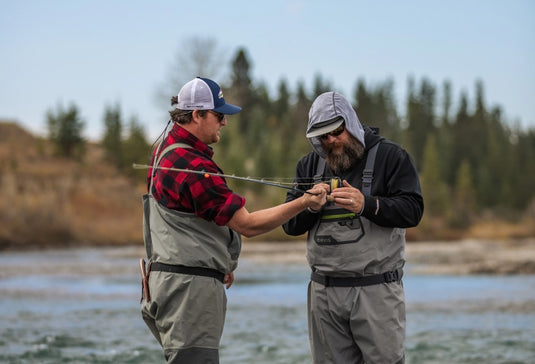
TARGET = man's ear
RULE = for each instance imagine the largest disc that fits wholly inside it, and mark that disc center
(196, 116)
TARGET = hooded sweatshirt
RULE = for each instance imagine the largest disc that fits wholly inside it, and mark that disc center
(395, 201)
(327, 108)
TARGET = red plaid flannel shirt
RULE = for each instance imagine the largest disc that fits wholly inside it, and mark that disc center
(207, 197)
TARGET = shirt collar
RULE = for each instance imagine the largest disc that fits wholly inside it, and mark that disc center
(180, 134)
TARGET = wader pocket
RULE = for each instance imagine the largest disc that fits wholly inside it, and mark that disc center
(338, 226)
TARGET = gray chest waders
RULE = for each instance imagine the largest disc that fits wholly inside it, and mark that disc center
(338, 225)
(182, 243)
(146, 203)
(345, 249)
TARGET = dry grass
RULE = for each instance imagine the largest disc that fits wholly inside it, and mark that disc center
(494, 229)
(47, 201)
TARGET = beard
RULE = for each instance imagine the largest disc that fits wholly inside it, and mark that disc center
(340, 162)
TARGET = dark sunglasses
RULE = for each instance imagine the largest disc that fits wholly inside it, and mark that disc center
(218, 115)
(334, 133)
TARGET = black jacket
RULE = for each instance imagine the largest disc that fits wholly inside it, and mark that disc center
(395, 184)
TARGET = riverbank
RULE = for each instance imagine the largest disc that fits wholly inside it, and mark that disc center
(471, 256)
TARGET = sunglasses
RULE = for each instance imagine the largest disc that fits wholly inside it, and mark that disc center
(218, 115)
(333, 133)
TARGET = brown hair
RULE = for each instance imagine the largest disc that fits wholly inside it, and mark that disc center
(182, 116)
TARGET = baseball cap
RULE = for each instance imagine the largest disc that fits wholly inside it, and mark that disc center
(325, 127)
(204, 94)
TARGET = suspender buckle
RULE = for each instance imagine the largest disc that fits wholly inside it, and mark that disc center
(393, 276)
(367, 175)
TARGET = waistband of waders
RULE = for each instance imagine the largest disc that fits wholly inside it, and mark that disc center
(387, 277)
(182, 269)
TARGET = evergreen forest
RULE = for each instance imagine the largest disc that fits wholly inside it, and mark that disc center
(474, 164)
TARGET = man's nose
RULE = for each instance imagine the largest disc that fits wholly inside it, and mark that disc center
(330, 138)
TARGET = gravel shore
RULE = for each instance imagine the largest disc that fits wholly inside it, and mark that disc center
(437, 257)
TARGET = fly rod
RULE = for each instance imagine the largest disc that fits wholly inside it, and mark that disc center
(208, 174)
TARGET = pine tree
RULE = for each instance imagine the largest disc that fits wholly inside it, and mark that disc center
(376, 108)
(136, 149)
(521, 177)
(112, 139)
(464, 199)
(241, 90)
(320, 85)
(434, 189)
(444, 135)
(420, 118)
(282, 104)
(364, 104)
(65, 131)
(461, 138)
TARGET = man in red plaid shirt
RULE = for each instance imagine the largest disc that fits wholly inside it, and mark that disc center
(192, 226)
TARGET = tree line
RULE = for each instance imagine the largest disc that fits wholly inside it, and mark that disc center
(472, 162)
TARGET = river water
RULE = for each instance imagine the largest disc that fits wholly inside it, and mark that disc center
(82, 306)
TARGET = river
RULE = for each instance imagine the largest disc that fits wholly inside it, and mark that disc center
(82, 306)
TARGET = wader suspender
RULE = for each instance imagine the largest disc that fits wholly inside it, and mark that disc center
(320, 170)
(387, 277)
(161, 155)
(367, 174)
(162, 267)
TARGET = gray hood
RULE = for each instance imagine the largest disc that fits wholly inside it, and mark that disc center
(326, 110)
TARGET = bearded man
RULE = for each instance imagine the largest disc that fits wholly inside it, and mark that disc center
(356, 242)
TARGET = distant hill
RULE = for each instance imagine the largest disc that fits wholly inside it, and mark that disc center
(46, 201)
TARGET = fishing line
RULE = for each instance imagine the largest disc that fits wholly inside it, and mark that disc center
(287, 186)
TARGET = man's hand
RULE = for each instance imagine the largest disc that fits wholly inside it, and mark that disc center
(229, 279)
(348, 197)
(317, 196)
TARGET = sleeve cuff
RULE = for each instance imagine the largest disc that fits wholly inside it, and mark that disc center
(371, 206)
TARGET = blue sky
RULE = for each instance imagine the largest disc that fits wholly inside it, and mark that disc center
(101, 52)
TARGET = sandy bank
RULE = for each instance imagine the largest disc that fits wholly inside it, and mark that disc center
(455, 257)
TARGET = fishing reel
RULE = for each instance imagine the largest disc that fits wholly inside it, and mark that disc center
(334, 183)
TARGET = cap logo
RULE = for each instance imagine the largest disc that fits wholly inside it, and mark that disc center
(220, 94)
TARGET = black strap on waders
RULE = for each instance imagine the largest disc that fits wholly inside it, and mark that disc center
(159, 156)
(182, 269)
(328, 281)
(367, 174)
(320, 170)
